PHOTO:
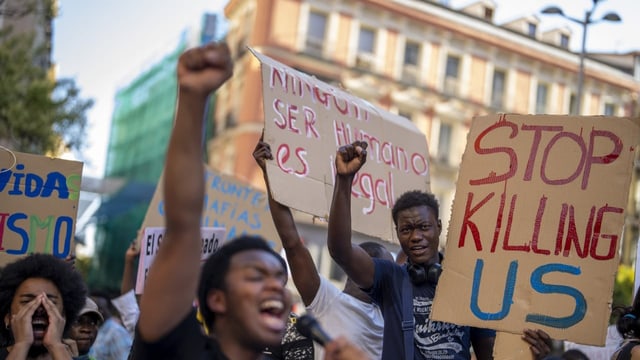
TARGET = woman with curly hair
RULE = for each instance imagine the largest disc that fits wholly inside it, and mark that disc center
(628, 326)
(40, 297)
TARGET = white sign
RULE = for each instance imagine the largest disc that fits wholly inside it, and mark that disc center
(212, 239)
(307, 120)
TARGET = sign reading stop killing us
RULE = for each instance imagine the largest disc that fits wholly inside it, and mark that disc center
(536, 225)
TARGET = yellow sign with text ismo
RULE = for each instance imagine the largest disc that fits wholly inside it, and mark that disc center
(306, 120)
(38, 205)
(536, 225)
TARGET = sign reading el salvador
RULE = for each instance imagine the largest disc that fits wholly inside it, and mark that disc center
(212, 238)
(536, 225)
(38, 204)
(229, 203)
(306, 120)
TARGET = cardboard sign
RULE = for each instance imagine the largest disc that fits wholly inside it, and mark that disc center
(228, 203)
(212, 239)
(536, 225)
(510, 346)
(38, 205)
(306, 120)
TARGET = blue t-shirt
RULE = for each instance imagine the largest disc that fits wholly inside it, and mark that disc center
(432, 339)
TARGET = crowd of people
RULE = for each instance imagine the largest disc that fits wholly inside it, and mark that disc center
(49, 313)
(237, 306)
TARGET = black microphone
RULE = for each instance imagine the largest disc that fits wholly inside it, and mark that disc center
(308, 326)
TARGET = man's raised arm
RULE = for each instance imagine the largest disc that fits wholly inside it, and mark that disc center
(303, 270)
(173, 278)
(352, 259)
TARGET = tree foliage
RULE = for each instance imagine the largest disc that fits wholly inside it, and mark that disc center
(624, 286)
(38, 114)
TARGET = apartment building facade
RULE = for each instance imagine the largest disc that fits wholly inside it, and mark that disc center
(435, 65)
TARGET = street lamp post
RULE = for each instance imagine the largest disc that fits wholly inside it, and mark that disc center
(611, 16)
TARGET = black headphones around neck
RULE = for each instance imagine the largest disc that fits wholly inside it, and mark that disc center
(420, 274)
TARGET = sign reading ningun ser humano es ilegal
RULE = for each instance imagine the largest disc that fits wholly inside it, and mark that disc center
(306, 120)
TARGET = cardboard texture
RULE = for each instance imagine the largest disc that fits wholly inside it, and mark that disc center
(212, 238)
(510, 346)
(228, 203)
(38, 205)
(536, 225)
(306, 120)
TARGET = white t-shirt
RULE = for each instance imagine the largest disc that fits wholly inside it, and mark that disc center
(342, 314)
(127, 305)
(612, 343)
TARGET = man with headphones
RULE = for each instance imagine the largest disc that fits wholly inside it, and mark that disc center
(405, 292)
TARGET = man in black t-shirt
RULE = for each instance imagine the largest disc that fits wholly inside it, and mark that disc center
(241, 291)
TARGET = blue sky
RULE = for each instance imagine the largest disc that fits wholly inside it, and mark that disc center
(103, 44)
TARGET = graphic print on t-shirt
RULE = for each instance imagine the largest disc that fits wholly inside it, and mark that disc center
(435, 339)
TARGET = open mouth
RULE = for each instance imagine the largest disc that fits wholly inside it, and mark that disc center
(39, 327)
(272, 313)
(418, 250)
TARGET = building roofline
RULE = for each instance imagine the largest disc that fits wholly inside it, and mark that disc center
(536, 47)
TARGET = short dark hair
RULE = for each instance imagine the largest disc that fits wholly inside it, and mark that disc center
(574, 354)
(414, 198)
(62, 274)
(214, 270)
(374, 249)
